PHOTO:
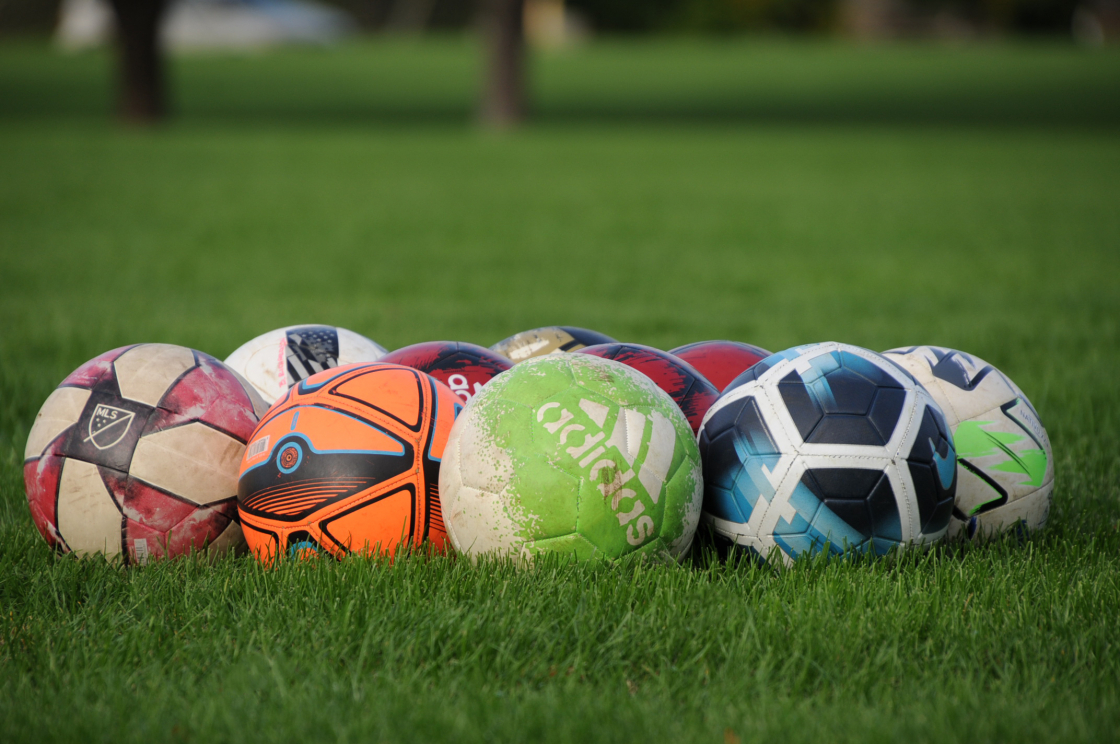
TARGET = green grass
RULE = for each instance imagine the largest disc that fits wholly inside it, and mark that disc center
(772, 192)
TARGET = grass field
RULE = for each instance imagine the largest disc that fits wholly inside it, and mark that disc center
(772, 192)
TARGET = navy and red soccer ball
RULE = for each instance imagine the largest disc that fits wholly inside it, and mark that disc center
(687, 387)
(720, 361)
(463, 367)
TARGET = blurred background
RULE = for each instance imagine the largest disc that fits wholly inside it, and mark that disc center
(144, 32)
(664, 171)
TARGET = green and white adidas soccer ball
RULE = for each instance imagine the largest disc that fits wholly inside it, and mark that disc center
(571, 454)
(1005, 467)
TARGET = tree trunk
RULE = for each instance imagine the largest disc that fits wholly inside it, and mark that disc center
(140, 85)
(503, 97)
(410, 16)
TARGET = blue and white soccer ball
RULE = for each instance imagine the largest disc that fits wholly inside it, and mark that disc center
(827, 446)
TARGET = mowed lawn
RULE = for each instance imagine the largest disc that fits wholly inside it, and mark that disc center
(667, 192)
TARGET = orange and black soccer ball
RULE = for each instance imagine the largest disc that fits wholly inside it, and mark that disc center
(348, 462)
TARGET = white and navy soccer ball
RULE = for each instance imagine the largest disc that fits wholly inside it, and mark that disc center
(1005, 466)
(274, 361)
(827, 446)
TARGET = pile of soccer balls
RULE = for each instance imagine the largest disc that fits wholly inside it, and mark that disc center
(314, 440)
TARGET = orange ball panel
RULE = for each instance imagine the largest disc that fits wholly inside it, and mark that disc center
(392, 390)
(368, 528)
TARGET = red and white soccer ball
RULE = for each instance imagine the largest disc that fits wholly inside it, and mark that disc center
(136, 455)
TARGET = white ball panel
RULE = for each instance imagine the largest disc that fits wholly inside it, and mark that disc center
(909, 515)
(482, 466)
(60, 411)
(88, 518)
(193, 461)
(679, 548)
(261, 362)
(145, 372)
(354, 347)
(477, 521)
(1033, 510)
(232, 540)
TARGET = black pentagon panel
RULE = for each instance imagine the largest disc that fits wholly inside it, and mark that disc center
(886, 521)
(845, 483)
(841, 429)
(719, 503)
(720, 460)
(939, 421)
(723, 419)
(755, 435)
(845, 492)
(108, 429)
(942, 511)
(885, 410)
(925, 490)
(927, 439)
(861, 497)
(933, 467)
(802, 407)
(854, 513)
(851, 393)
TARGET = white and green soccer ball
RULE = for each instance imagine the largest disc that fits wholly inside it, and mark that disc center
(571, 454)
(1005, 466)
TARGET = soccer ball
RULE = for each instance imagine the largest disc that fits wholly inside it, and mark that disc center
(827, 444)
(687, 387)
(720, 361)
(276, 360)
(135, 455)
(348, 462)
(463, 367)
(575, 455)
(548, 340)
(1005, 467)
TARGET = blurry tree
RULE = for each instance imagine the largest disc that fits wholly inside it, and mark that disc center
(369, 14)
(502, 23)
(140, 81)
(410, 15)
(627, 16)
(707, 16)
(877, 17)
(1022, 16)
(28, 16)
(406, 15)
